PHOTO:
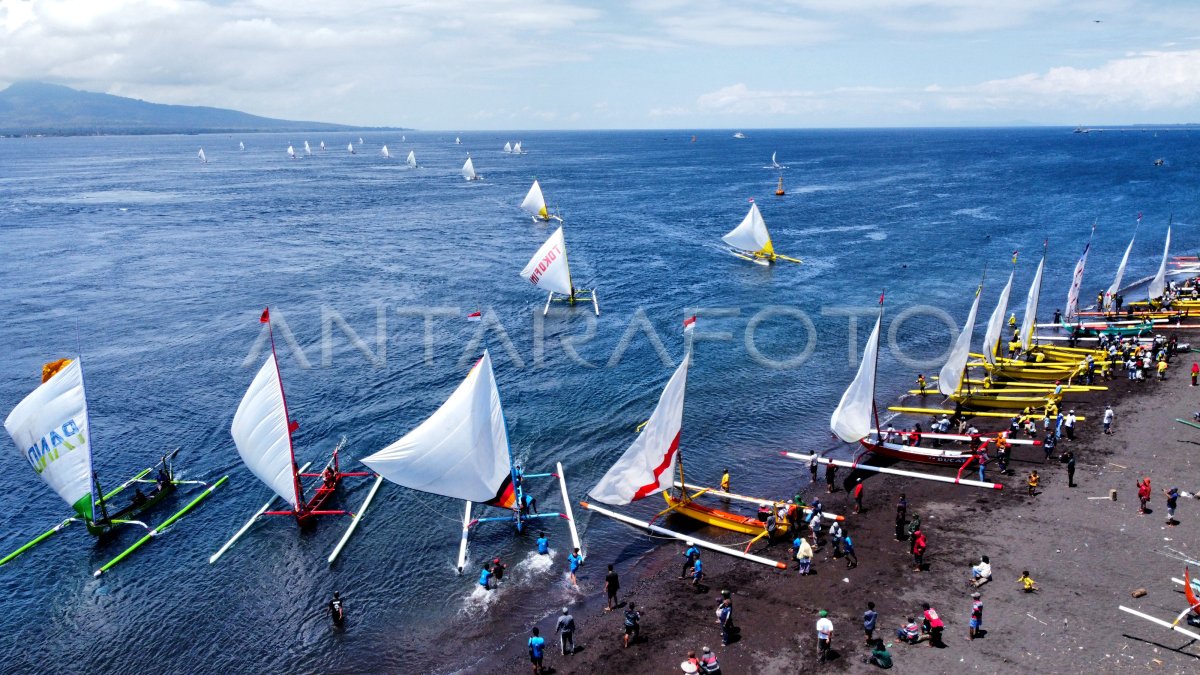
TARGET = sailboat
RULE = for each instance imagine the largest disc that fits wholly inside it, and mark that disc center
(461, 451)
(508, 147)
(457, 140)
(774, 164)
(384, 151)
(517, 148)
(412, 159)
(535, 204)
(322, 145)
(1111, 294)
(751, 241)
(52, 431)
(548, 270)
(360, 140)
(648, 466)
(241, 145)
(468, 170)
(262, 431)
(203, 159)
(307, 149)
(350, 148)
(1158, 285)
(291, 152)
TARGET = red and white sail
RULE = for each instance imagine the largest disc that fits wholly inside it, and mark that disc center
(853, 419)
(548, 267)
(461, 450)
(262, 435)
(648, 466)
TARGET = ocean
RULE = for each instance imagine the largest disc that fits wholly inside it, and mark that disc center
(155, 268)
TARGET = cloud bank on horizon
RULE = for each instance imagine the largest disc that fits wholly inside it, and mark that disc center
(527, 64)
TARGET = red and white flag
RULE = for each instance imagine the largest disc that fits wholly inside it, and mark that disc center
(474, 316)
(689, 324)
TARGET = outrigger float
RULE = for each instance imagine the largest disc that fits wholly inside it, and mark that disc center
(548, 269)
(52, 430)
(262, 431)
(1193, 607)
(461, 451)
(649, 465)
(751, 241)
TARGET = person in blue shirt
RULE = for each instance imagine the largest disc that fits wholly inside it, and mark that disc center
(485, 577)
(537, 646)
(689, 560)
(697, 572)
(573, 562)
(870, 619)
(848, 550)
(543, 544)
(530, 503)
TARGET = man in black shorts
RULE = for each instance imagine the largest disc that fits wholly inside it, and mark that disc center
(633, 624)
(612, 584)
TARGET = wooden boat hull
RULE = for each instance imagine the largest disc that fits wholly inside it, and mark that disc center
(715, 517)
(129, 512)
(920, 455)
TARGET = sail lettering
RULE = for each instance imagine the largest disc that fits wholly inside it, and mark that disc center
(541, 268)
(47, 450)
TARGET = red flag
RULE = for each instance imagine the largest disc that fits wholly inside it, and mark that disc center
(293, 426)
(751, 200)
(266, 316)
(881, 294)
(1187, 589)
(474, 316)
(689, 323)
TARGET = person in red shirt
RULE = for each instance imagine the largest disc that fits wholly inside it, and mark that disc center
(858, 495)
(918, 550)
(932, 625)
(1143, 493)
(1195, 372)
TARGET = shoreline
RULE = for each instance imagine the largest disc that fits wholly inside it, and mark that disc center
(1087, 555)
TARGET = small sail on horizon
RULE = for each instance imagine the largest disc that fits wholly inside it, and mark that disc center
(468, 170)
(1158, 285)
(991, 338)
(203, 158)
(241, 145)
(535, 203)
(291, 152)
(350, 148)
(384, 151)
(51, 430)
(853, 418)
(461, 450)
(951, 376)
(322, 145)
(1029, 320)
(307, 149)
(648, 465)
(262, 433)
(508, 147)
(517, 148)
(412, 159)
(360, 140)
(457, 140)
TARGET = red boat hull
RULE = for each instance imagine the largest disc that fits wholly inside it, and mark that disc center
(919, 455)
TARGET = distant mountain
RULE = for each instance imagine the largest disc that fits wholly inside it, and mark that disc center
(40, 108)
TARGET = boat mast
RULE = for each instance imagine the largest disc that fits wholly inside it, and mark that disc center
(874, 405)
(96, 491)
(266, 318)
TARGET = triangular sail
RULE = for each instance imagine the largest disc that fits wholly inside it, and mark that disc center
(548, 267)
(350, 148)
(461, 451)
(201, 156)
(291, 152)
(1158, 285)
(261, 433)
(1077, 280)
(412, 158)
(508, 147)
(468, 170)
(1029, 321)
(241, 145)
(307, 149)
(517, 147)
(535, 202)
(951, 375)
(751, 234)
(1109, 297)
(384, 151)
(853, 419)
(50, 429)
(648, 465)
(991, 338)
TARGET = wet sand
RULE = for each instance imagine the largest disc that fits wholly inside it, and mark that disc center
(1087, 555)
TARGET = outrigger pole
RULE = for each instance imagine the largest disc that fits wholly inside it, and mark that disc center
(253, 519)
(355, 518)
(895, 472)
(1154, 619)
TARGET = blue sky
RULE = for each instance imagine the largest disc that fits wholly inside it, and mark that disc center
(688, 64)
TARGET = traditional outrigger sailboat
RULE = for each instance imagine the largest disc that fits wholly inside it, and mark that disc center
(291, 152)
(384, 151)
(535, 204)
(307, 149)
(548, 269)
(751, 241)
(516, 149)
(412, 159)
(52, 431)
(350, 148)
(508, 147)
(262, 431)
(203, 158)
(648, 466)
(468, 170)
(461, 451)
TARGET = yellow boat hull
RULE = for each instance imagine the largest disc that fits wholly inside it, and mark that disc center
(716, 517)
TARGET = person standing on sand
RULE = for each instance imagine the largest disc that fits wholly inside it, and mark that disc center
(835, 538)
(858, 495)
(870, 619)
(814, 526)
(1195, 372)
(633, 624)
(1032, 482)
(976, 617)
(1143, 493)
(982, 460)
(537, 648)
(1069, 425)
(612, 584)
(1069, 458)
(848, 547)
(1108, 419)
(709, 665)
(697, 573)
(725, 619)
(914, 526)
(566, 632)
(901, 517)
(1172, 501)
(804, 555)
(689, 559)
(573, 562)
(830, 477)
(918, 550)
(812, 468)
(824, 636)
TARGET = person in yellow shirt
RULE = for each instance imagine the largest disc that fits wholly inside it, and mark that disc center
(1027, 583)
(1162, 369)
(725, 481)
(1033, 481)
(921, 385)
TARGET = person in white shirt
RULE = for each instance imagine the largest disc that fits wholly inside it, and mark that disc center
(1108, 419)
(824, 635)
(981, 573)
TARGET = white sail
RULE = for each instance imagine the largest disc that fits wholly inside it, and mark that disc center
(751, 234)
(307, 148)
(200, 154)
(384, 151)
(1029, 320)
(648, 466)
(508, 147)
(360, 140)
(468, 170)
(548, 267)
(1158, 285)
(412, 159)
(241, 145)
(350, 148)
(517, 148)
(950, 377)
(1111, 294)
(774, 164)
(991, 338)
(50, 429)
(457, 140)
(535, 202)
(1077, 283)
(322, 145)
(461, 451)
(291, 152)
(260, 432)
(853, 419)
